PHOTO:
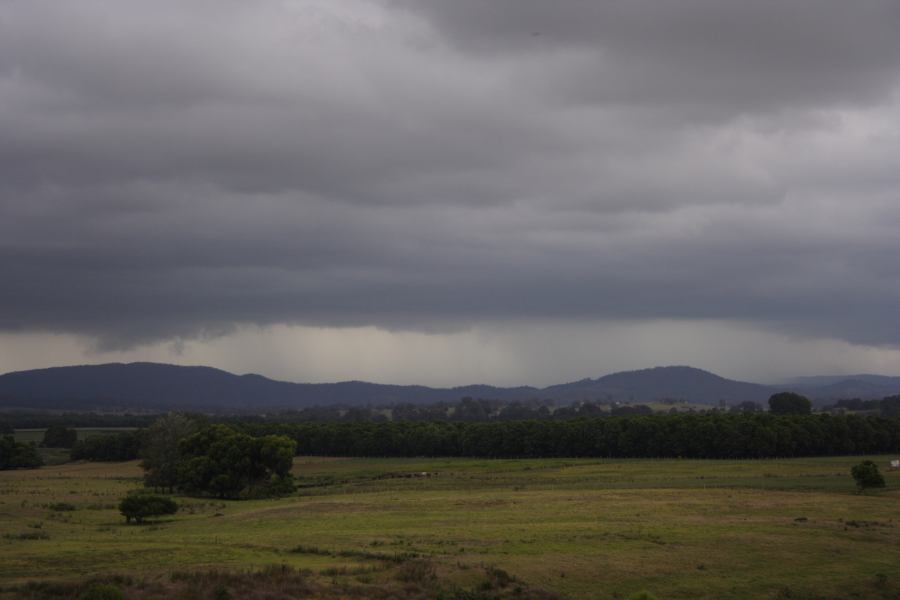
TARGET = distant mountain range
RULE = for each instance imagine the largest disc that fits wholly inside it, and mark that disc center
(153, 386)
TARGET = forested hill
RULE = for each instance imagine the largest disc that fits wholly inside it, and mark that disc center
(156, 386)
(660, 383)
(152, 386)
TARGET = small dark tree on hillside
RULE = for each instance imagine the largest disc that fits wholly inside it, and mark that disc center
(789, 403)
(58, 436)
(140, 505)
(866, 475)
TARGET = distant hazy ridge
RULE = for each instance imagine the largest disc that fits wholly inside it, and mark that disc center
(165, 387)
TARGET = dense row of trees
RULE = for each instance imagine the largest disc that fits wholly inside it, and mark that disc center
(465, 410)
(246, 456)
(886, 407)
(18, 455)
(125, 445)
(711, 435)
(10, 421)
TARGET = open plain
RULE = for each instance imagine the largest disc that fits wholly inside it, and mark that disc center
(573, 528)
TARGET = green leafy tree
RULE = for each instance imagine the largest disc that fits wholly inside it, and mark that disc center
(866, 475)
(16, 455)
(140, 505)
(789, 403)
(57, 436)
(160, 449)
(222, 461)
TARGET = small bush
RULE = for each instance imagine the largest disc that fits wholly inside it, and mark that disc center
(101, 591)
(866, 475)
(140, 505)
(61, 507)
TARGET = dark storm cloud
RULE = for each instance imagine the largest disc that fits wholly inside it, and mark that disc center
(174, 169)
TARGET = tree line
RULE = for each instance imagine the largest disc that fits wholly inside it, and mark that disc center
(708, 435)
(465, 410)
(787, 429)
(109, 447)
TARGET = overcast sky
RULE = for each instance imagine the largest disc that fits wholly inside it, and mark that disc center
(451, 191)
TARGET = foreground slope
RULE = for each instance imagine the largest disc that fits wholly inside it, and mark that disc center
(577, 528)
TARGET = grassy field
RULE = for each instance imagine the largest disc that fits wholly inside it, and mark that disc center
(577, 528)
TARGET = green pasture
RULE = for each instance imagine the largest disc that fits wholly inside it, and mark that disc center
(580, 528)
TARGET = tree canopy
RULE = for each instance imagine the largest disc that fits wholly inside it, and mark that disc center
(789, 403)
(711, 435)
(224, 462)
(161, 449)
(17, 455)
(57, 436)
(141, 505)
(866, 475)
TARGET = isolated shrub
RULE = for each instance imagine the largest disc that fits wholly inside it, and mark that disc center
(141, 505)
(866, 475)
(644, 595)
(101, 591)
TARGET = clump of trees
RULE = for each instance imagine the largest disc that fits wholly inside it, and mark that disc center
(789, 403)
(140, 505)
(866, 475)
(224, 462)
(104, 447)
(180, 453)
(57, 436)
(18, 455)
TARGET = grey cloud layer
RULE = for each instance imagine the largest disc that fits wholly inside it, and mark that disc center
(172, 169)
